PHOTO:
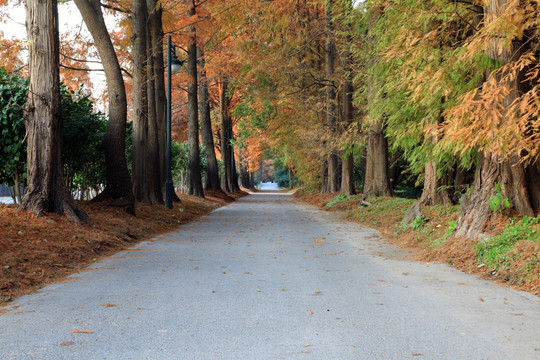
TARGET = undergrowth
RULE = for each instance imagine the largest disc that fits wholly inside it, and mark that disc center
(496, 252)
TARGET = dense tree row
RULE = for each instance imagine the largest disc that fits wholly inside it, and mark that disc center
(442, 92)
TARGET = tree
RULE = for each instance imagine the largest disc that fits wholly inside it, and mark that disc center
(212, 176)
(331, 121)
(194, 170)
(500, 175)
(376, 181)
(119, 185)
(139, 18)
(227, 181)
(46, 191)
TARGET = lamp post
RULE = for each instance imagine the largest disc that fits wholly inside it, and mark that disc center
(173, 66)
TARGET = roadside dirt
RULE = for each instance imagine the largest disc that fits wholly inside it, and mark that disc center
(35, 252)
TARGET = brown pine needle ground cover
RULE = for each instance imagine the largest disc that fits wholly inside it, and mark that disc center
(37, 251)
(519, 266)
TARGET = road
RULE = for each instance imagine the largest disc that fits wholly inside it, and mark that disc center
(267, 278)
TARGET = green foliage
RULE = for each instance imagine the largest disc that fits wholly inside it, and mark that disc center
(341, 198)
(452, 226)
(497, 202)
(83, 132)
(13, 90)
(179, 163)
(495, 251)
(281, 174)
(418, 222)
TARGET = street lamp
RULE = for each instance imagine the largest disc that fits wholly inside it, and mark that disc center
(173, 66)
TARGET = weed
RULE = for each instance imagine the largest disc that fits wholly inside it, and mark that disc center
(337, 200)
(452, 226)
(418, 222)
(494, 252)
(497, 202)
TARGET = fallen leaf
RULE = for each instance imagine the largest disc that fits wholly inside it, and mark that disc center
(481, 299)
(310, 312)
(307, 345)
(82, 331)
(67, 343)
(462, 334)
(461, 283)
(108, 305)
(319, 240)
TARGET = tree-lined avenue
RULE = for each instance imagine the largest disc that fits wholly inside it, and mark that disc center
(268, 278)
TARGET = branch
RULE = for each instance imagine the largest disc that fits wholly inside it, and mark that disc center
(79, 60)
(474, 7)
(115, 8)
(128, 74)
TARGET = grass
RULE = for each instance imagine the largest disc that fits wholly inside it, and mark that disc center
(497, 251)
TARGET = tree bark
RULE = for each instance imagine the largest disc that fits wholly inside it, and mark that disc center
(194, 158)
(156, 103)
(212, 173)
(347, 182)
(139, 17)
(509, 173)
(330, 52)
(119, 185)
(234, 181)
(43, 116)
(376, 181)
(226, 180)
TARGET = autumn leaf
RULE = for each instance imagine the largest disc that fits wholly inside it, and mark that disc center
(82, 331)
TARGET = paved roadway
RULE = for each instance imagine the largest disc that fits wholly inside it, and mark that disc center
(266, 278)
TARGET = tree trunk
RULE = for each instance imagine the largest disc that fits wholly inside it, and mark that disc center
(376, 182)
(212, 173)
(141, 185)
(431, 194)
(43, 116)
(158, 130)
(330, 52)
(194, 158)
(347, 182)
(226, 183)
(234, 179)
(325, 187)
(17, 188)
(509, 173)
(119, 185)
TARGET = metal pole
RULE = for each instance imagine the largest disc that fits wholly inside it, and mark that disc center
(169, 189)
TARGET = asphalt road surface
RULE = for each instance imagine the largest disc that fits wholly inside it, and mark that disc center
(266, 278)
